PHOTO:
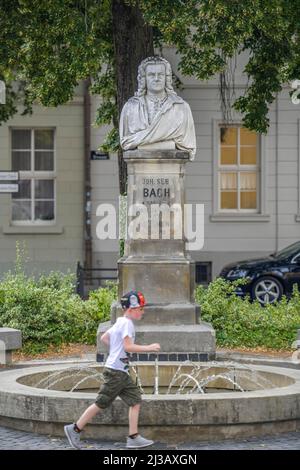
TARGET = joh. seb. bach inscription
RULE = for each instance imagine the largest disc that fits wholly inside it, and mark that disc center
(156, 189)
(160, 192)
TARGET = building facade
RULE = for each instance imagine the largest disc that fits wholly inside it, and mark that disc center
(249, 183)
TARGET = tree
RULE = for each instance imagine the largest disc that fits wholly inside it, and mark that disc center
(207, 33)
(133, 42)
(47, 47)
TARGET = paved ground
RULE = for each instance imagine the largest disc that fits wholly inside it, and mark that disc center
(19, 440)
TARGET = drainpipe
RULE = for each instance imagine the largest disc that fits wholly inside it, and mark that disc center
(277, 176)
(88, 254)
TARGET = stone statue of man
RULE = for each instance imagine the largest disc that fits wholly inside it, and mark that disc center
(156, 117)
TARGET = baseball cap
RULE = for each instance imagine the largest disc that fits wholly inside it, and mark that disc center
(133, 299)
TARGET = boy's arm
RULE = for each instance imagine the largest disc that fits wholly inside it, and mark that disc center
(130, 347)
(105, 338)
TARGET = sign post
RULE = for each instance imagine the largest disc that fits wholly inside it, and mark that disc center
(9, 176)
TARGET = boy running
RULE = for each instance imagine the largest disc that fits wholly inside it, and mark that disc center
(117, 381)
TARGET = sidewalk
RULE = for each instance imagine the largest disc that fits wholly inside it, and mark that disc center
(19, 440)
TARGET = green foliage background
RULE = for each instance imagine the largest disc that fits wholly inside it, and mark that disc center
(241, 323)
(47, 47)
(49, 313)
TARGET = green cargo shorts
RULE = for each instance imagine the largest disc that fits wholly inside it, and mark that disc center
(117, 384)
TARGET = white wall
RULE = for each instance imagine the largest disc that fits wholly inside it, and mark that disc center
(61, 245)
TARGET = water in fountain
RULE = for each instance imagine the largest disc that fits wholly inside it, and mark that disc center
(52, 379)
(194, 381)
(137, 377)
(202, 382)
(230, 376)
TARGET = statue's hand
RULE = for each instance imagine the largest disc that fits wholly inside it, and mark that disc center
(132, 141)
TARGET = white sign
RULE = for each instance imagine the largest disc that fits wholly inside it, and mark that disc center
(9, 175)
(2, 92)
(9, 188)
(295, 96)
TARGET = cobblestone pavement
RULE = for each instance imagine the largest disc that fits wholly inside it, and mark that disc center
(19, 440)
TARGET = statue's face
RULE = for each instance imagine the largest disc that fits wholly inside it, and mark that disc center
(155, 77)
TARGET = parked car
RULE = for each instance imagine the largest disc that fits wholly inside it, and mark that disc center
(269, 277)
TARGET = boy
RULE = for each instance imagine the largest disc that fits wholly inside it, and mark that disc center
(117, 381)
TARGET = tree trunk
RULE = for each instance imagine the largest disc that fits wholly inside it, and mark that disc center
(133, 42)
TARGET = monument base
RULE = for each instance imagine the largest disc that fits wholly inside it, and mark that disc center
(164, 314)
(160, 267)
(178, 342)
(161, 281)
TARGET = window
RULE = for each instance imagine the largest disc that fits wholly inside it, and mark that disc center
(203, 272)
(238, 170)
(296, 259)
(33, 157)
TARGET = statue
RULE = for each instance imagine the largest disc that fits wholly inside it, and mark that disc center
(156, 117)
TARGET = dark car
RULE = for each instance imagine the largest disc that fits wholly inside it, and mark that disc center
(269, 277)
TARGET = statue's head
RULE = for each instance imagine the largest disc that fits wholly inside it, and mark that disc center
(157, 73)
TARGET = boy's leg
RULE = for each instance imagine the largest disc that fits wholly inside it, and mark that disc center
(135, 440)
(72, 431)
(107, 393)
(133, 419)
(131, 394)
(87, 416)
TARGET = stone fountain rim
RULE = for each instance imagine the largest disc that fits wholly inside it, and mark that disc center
(168, 418)
(9, 384)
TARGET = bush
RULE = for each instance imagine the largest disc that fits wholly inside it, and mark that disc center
(58, 281)
(102, 299)
(241, 323)
(48, 312)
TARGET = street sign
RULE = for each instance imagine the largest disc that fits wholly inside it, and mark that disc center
(9, 175)
(98, 155)
(9, 188)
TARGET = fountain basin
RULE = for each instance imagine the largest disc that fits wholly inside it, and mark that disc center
(171, 418)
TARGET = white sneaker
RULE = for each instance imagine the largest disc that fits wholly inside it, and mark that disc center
(72, 436)
(137, 442)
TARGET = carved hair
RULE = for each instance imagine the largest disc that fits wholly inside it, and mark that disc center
(141, 78)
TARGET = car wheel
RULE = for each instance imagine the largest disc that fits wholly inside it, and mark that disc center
(267, 290)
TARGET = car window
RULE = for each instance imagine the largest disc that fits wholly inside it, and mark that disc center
(296, 258)
(288, 251)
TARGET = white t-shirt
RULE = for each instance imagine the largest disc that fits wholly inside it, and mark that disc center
(118, 357)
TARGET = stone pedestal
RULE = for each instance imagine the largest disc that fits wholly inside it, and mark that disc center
(10, 340)
(156, 262)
